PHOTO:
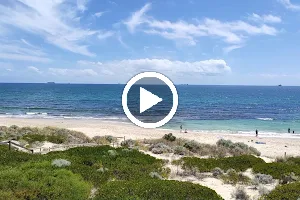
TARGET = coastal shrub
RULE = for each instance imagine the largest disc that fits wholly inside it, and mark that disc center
(101, 140)
(255, 151)
(289, 191)
(217, 172)
(238, 148)
(192, 145)
(51, 134)
(61, 163)
(225, 143)
(180, 150)
(232, 177)
(160, 148)
(85, 161)
(128, 143)
(170, 137)
(262, 190)
(156, 175)
(239, 163)
(263, 178)
(31, 138)
(240, 194)
(34, 182)
(154, 189)
(112, 153)
(288, 178)
(12, 158)
(276, 170)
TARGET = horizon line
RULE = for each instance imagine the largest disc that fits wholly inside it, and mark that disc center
(179, 84)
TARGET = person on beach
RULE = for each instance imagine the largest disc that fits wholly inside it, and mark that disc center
(180, 128)
(293, 132)
(256, 133)
(185, 131)
(289, 130)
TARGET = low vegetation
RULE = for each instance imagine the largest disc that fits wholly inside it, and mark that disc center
(239, 163)
(289, 191)
(71, 174)
(277, 170)
(223, 148)
(155, 189)
(29, 135)
(240, 194)
(126, 173)
(233, 177)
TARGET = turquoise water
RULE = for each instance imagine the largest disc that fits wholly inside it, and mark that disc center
(235, 109)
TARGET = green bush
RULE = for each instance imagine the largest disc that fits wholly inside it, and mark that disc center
(40, 181)
(232, 177)
(239, 163)
(169, 137)
(277, 170)
(180, 150)
(160, 148)
(154, 189)
(284, 192)
(128, 143)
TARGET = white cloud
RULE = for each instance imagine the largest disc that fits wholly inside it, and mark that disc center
(72, 72)
(34, 69)
(288, 5)
(277, 76)
(265, 18)
(233, 32)
(52, 20)
(6, 66)
(113, 3)
(81, 5)
(23, 57)
(231, 48)
(99, 14)
(105, 34)
(137, 18)
(22, 51)
(169, 67)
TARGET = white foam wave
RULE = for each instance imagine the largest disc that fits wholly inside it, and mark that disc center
(265, 119)
(35, 113)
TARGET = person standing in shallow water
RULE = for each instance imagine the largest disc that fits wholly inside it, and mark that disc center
(180, 128)
(289, 130)
(256, 133)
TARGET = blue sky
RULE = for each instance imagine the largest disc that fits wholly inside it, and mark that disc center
(191, 41)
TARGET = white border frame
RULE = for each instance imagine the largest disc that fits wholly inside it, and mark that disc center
(138, 77)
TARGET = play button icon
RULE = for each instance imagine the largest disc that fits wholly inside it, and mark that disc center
(150, 100)
(147, 100)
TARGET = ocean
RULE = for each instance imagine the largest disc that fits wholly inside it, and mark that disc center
(232, 109)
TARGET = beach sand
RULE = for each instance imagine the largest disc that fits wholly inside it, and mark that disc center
(274, 147)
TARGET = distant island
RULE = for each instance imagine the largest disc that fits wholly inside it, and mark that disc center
(280, 85)
(50, 82)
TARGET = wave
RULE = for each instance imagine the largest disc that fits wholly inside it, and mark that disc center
(265, 119)
(39, 115)
(35, 113)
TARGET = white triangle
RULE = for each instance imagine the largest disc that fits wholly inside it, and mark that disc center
(147, 100)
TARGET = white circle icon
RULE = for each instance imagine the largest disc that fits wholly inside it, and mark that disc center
(148, 99)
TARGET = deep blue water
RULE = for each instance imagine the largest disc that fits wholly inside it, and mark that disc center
(228, 108)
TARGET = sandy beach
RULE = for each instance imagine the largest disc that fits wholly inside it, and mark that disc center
(273, 147)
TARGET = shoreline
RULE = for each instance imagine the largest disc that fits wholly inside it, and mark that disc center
(273, 147)
(124, 120)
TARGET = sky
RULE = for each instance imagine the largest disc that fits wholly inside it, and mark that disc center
(213, 42)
